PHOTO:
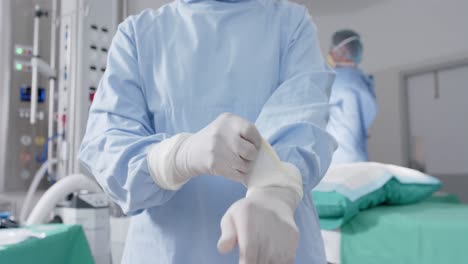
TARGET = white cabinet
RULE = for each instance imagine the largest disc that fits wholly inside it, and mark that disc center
(438, 121)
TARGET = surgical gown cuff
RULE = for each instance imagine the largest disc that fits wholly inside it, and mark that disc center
(161, 162)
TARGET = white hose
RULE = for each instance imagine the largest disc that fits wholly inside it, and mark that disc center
(57, 193)
(33, 188)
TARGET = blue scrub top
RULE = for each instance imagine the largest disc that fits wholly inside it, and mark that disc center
(175, 70)
(354, 108)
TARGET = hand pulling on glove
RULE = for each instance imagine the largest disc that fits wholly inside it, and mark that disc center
(226, 147)
(262, 224)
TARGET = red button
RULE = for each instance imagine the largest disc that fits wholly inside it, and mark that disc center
(25, 157)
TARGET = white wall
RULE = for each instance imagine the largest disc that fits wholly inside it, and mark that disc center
(136, 6)
(401, 32)
(401, 35)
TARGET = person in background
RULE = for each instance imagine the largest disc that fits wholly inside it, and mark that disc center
(353, 99)
(190, 94)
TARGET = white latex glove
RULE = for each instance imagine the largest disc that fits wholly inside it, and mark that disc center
(262, 224)
(226, 147)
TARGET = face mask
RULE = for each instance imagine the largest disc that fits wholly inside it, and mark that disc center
(345, 42)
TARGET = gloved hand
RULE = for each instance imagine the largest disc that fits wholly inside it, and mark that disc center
(226, 147)
(262, 225)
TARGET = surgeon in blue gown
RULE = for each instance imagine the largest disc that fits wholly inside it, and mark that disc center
(353, 99)
(175, 70)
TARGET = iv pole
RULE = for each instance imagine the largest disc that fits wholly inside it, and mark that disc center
(40, 66)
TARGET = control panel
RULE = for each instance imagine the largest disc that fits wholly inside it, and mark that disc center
(24, 142)
(98, 46)
(85, 37)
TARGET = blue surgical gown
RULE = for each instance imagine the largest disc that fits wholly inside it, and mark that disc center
(175, 70)
(353, 110)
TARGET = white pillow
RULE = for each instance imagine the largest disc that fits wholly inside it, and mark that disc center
(359, 179)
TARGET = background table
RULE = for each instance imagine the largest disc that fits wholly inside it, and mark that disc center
(63, 244)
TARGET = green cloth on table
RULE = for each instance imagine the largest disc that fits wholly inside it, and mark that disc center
(63, 244)
(431, 232)
(335, 209)
(443, 198)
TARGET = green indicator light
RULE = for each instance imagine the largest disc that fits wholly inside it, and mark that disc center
(19, 51)
(19, 66)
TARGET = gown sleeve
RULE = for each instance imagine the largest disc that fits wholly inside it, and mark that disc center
(120, 130)
(294, 118)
